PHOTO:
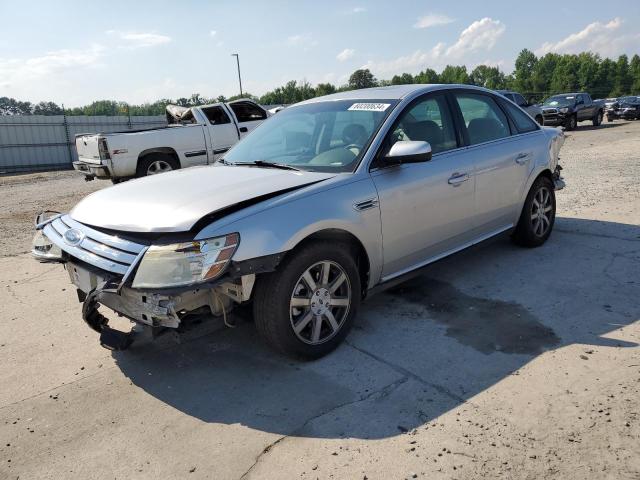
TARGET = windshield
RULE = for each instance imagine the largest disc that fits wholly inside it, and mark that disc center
(561, 101)
(629, 100)
(328, 136)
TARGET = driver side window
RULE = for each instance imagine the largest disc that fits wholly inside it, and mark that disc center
(429, 121)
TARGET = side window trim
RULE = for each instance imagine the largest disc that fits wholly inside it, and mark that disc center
(373, 164)
(516, 130)
(218, 107)
(460, 117)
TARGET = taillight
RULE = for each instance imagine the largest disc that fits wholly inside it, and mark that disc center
(103, 149)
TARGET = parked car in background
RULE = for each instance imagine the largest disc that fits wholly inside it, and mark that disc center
(567, 109)
(532, 109)
(194, 136)
(627, 108)
(608, 103)
(329, 199)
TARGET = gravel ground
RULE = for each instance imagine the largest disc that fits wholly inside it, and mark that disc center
(497, 363)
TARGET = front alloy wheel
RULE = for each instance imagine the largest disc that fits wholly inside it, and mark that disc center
(320, 302)
(307, 306)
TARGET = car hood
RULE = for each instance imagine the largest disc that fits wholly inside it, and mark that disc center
(175, 201)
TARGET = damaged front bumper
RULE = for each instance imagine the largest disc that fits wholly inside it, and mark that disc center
(102, 267)
(558, 181)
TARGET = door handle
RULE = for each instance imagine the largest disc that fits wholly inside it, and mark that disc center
(457, 178)
(244, 129)
(522, 158)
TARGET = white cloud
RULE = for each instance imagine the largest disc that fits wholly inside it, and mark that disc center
(305, 41)
(480, 35)
(17, 70)
(411, 62)
(213, 33)
(345, 54)
(433, 20)
(140, 40)
(358, 10)
(46, 75)
(603, 38)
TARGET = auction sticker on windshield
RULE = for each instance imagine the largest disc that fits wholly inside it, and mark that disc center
(370, 107)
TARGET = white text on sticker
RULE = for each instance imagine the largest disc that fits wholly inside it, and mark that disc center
(370, 107)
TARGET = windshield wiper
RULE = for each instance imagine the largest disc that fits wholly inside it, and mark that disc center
(262, 163)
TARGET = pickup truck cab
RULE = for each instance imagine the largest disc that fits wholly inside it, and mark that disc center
(567, 109)
(193, 136)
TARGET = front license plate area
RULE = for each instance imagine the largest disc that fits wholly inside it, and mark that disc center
(82, 278)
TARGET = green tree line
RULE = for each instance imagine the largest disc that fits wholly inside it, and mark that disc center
(534, 77)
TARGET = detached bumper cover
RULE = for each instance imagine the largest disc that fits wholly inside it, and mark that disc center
(558, 181)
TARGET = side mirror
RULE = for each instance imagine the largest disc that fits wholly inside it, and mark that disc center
(409, 151)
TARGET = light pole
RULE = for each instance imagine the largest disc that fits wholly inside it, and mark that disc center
(239, 78)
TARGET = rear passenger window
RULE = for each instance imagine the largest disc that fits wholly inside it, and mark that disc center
(216, 115)
(248, 112)
(484, 119)
(429, 121)
(524, 123)
(519, 100)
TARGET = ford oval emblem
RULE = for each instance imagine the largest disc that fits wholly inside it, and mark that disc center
(73, 237)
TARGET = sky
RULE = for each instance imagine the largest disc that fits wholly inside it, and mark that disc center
(74, 52)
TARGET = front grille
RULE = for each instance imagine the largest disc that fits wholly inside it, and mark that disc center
(107, 252)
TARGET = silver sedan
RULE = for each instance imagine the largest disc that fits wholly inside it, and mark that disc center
(322, 203)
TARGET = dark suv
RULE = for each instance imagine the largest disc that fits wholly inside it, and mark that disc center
(567, 109)
(627, 108)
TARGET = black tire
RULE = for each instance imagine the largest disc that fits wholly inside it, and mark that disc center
(572, 123)
(527, 232)
(146, 163)
(597, 120)
(272, 310)
(540, 119)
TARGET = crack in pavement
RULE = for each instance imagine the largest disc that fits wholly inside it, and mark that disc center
(403, 371)
(381, 393)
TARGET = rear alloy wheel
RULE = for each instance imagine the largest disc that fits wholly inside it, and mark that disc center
(538, 215)
(307, 307)
(156, 163)
(597, 120)
(572, 123)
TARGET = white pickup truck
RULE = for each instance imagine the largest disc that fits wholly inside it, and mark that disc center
(194, 136)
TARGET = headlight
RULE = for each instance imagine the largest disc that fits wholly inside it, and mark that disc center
(564, 110)
(44, 249)
(185, 263)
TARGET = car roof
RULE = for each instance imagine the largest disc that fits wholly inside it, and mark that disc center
(394, 92)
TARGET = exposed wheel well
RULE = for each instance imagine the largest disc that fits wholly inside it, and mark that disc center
(545, 173)
(166, 150)
(342, 236)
